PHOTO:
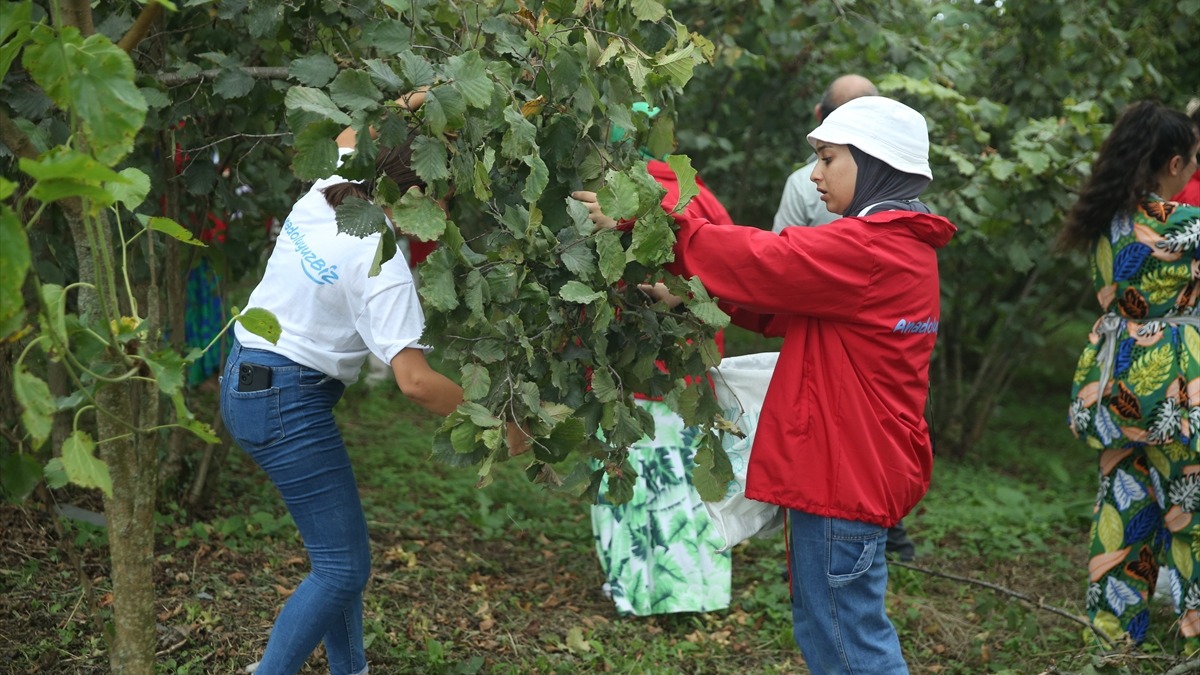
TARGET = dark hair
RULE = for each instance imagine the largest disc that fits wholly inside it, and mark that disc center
(394, 162)
(1143, 140)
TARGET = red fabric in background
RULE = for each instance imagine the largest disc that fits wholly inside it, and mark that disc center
(419, 250)
(1190, 194)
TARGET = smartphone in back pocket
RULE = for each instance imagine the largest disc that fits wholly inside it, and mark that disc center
(253, 377)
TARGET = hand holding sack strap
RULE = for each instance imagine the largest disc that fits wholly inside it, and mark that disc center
(741, 385)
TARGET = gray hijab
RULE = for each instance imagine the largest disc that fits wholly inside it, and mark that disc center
(878, 182)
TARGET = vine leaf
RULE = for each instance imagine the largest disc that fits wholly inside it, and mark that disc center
(81, 464)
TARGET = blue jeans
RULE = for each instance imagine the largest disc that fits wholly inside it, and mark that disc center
(839, 579)
(289, 430)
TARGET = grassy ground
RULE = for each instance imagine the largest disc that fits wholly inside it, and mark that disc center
(505, 579)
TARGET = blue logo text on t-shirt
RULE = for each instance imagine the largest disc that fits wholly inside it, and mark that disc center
(313, 266)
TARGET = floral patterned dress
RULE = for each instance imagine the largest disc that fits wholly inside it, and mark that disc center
(1136, 399)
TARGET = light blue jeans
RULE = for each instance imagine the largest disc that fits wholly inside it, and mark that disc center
(839, 579)
(289, 430)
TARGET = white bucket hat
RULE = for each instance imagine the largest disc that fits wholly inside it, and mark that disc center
(883, 128)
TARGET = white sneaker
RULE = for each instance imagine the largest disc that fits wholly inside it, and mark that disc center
(251, 668)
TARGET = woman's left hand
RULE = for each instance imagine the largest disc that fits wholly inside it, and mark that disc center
(595, 215)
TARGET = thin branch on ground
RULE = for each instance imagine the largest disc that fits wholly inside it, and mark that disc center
(1035, 602)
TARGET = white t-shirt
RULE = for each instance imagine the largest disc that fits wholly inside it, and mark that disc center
(331, 313)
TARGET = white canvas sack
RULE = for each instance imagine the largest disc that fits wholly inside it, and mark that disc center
(741, 384)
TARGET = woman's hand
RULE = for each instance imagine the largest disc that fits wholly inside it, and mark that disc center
(659, 292)
(594, 213)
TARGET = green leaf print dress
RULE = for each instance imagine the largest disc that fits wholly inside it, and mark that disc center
(658, 551)
(1136, 399)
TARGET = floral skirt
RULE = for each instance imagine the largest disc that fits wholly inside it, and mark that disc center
(658, 551)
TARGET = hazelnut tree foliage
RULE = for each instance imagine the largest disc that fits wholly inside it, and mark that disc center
(539, 314)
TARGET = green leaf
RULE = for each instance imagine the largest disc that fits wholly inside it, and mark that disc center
(385, 251)
(618, 198)
(612, 255)
(429, 159)
(539, 177)
(19, 475)
(686, 176)
(262, 323)
(359, 217)
(577, 257)
(82, 466)
(575, 291)
(653, 239)
(479, 415)
(94, 79)
(56, 475)
(54, 310)
(14, 24)
(316, 151)
(389, 37)
(354, 90)
(174, 230)
(677, 67)
(437, 281)
(712, 471)
(709, 313)
(603, 386)
(14, 266)
(416, 70)
(63, 173)
(133, 189)
(168, 368)
(468, 75)
(233, 83)
(315, 101)
(648, 10)
(315, 70)
(382, 75)
(637, 71)
(519, 140)
(420, 216)
(38, 405)
(476, 381)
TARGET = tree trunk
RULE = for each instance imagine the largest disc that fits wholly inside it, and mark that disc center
(131, 462)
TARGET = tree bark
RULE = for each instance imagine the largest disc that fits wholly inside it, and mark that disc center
(131, 462)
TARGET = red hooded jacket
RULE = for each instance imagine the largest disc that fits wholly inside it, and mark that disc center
(842, 432)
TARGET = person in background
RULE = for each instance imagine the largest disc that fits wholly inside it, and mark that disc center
(801, 206)
(1136, 390)
(1190, 194)
(658, 551)
(842, 441)
(277, 400)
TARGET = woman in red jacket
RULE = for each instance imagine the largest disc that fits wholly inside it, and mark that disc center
(842, 441)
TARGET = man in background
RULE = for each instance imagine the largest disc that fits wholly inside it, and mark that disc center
(801, 206)
(801, 203)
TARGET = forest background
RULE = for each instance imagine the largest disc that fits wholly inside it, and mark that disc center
(126, 126)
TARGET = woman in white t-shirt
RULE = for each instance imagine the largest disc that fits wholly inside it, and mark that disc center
(277, 401)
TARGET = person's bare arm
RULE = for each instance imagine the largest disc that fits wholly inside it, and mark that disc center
(440, 395)
(423, 385)
(410, 101)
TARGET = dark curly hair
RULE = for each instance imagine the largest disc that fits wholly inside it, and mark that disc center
(395, 163)
(1143, 140)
